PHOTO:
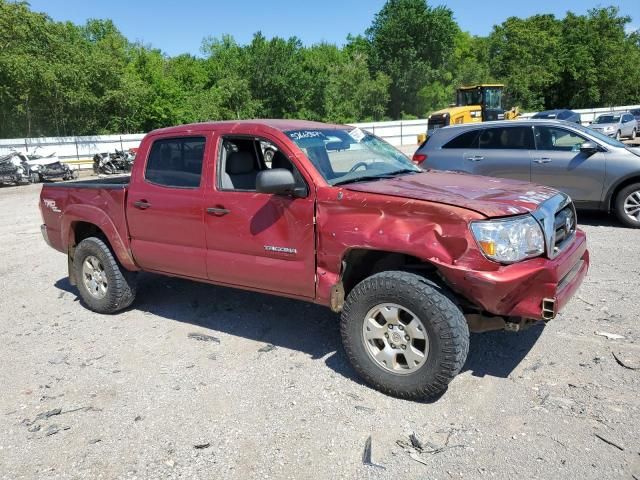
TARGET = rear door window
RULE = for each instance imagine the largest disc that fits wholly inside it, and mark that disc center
(176, 162)
(507, 138)
(466, 140)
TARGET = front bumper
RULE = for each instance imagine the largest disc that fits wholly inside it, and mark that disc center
(535, 289)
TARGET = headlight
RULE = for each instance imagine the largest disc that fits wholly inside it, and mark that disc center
(510, 240)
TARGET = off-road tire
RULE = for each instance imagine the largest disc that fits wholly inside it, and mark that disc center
(448, 333)
(619, 205)
(121, 283)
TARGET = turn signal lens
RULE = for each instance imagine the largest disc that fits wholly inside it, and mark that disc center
(489, 248)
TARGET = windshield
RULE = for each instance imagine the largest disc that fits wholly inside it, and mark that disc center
(600, 136)
(607, 119)
(350, 155)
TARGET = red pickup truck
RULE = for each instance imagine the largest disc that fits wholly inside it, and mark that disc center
(413, 260)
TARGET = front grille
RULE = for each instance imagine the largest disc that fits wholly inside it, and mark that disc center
(557, 217)
(564, 226)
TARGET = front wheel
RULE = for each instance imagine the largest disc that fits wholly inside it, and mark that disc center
(618, 136)
(403, 335)
(627, 205)
(104, 285)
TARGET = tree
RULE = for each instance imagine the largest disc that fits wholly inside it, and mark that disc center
(410, 42)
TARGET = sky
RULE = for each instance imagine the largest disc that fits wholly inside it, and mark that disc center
(179, 27)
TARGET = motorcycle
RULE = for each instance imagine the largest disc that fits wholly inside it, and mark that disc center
(14, 169)
(112, 163)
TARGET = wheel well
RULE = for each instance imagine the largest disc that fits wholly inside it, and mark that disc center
(359, 264)
(82, 230)
(623, 184)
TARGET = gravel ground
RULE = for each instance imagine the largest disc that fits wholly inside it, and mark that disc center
(197, 381)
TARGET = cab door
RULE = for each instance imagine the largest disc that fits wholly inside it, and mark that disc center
(165, 207)
(258, 240)
(559, 163)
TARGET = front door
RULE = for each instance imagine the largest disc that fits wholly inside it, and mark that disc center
(165, 209)
(258, 240)
(501, 152)
(559, 163)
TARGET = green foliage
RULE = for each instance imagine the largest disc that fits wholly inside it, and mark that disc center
(410, 42)
(580, 61)
(57, 78)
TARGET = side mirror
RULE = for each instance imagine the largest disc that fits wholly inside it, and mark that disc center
(589, 148)
(275, 181)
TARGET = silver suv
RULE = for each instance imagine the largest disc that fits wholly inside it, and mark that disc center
(597, 171)
(616, 125)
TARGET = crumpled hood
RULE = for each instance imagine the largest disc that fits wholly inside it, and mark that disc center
(492, 197)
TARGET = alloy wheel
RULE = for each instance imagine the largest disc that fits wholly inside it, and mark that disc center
(94, 277)
(395, 338)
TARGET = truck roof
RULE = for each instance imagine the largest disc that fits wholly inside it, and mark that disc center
(278, 124)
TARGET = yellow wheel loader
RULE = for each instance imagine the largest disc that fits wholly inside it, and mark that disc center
(476, 103)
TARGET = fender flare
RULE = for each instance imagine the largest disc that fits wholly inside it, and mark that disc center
(95, 216)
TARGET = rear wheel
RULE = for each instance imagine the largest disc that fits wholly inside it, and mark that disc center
(403, 335)
(633, 134)
(104, 285)
(627, 205)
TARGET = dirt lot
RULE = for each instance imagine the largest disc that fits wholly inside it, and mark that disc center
(197, 381)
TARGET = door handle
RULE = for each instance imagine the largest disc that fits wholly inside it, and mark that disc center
(542, 160)
(141, 204)
(218, 211)
(475, 158)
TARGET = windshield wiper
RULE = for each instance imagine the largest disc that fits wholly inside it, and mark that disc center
(366, 178)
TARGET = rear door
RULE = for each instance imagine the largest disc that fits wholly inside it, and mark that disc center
(449, 156)
(258, 240)
(165, 207)
(503, 151)
(559, 163)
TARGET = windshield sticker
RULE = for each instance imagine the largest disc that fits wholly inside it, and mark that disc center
(357, 134)
(306, 134)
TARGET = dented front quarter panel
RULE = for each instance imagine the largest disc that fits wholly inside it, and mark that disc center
(436, 233)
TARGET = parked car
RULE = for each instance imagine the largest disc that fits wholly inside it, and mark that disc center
(42, 167)
(559, 114)
(598, 172)
(14, 169)
(413, 260)
(616, 125)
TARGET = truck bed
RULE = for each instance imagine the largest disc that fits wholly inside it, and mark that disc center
(100, 201)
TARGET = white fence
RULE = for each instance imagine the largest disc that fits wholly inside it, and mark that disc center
(80, 150)
(72, 150)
